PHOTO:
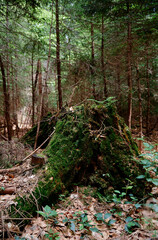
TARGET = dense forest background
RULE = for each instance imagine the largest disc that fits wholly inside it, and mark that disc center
(56, 54)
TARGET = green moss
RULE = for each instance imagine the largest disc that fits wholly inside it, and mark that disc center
(90, 146)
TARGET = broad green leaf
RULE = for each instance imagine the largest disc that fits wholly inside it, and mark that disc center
(154, 181)
(107, 215)
(95, 230)
(72, 226)
(47, 209)
(140, 177)
(99, 216)
(137, 205)
(65, 220)
(42, 213)
(128, 219)
(111, 221)
(117, 191)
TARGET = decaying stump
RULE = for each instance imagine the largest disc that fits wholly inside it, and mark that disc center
(37, 160)
(90, 146)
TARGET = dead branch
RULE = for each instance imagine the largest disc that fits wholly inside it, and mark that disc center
(10, 170)
(3, 137)
(39, 146)
(9, 190)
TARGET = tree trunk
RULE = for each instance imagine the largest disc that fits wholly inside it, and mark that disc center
(148, 93)
(47, 67)
(92, 60)
(58, 56)
(129, 71)
(14, 100)
(140, 110)
(33, 94)
(6, 101)
(41, 94)
(102, 60)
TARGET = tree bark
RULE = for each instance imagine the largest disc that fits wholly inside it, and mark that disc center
(33, 94)
(58, 56)
(129, 68)
(102, 60)
(48, 63)
(6, 101)
(148, 93)
(140, 110)
(92, 60)
(41, 94)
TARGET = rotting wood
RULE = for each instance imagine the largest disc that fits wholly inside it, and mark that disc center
(37, 160)
(9, 190)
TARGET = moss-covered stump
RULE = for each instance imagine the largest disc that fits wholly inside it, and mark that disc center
(94, 146)
(90, 146)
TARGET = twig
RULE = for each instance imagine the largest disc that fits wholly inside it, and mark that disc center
(39, 146)
(2, 218)
(3, 137)
(8, 218)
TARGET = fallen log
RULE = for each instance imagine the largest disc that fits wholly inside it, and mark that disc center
(10, 170)
(9, 190)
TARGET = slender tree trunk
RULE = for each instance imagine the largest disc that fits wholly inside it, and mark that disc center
(129, 71)
(16, 102)
(92, 60)
(13, 101)
(41, 100)
(39, 78)
(118, 82)
(36, 76)
(118, 86)
(102, 60)
(58, 56)
(140, 110)
(148, 92)
(48, 63)
(6, 101)
(7, 42)
(33, 93)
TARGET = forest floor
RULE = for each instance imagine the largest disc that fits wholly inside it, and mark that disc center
(84, 214)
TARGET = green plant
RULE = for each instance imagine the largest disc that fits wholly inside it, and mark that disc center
(102, 217)
(131, 225)
(19, 238)
(48, 212)
(52, 235)
(117, 196)
(149, 163)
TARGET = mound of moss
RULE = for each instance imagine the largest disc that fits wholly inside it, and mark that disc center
(93, 146)
(90, 146)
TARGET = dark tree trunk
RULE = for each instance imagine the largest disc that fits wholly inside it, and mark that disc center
(41, 101)
(6, 101)
(148, 93)
(140, 110)
(102, 60)
(92, 60)
(45, 100)
(129, 68)
(33, 93)
(58, 56)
